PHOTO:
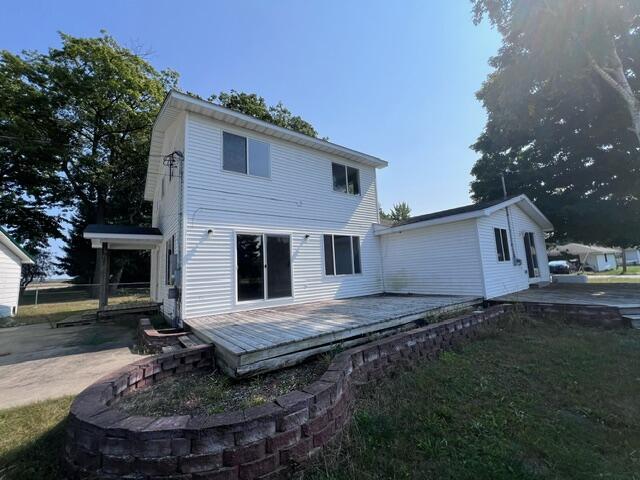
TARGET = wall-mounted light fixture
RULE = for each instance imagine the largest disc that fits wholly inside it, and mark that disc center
(210, 233)
(306, 236)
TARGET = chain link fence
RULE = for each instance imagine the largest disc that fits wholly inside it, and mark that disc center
(38, 295)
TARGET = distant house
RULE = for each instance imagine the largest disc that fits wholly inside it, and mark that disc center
(592, 257)
(632, 255)
(248, 215)
(12, 257)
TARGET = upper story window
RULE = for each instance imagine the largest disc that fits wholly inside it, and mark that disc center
(245, 155)
(345, 179)
(502, 244)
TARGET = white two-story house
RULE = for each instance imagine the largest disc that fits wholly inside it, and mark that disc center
(249, 216)
(253, 215)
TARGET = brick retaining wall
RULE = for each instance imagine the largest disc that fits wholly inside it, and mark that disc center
(152, 340)
(268, 441)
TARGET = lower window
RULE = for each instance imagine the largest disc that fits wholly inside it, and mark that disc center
(342, 255)
(263, 266)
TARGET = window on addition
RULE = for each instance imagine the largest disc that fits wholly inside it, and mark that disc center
(502, 244)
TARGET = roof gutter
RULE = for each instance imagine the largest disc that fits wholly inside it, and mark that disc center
(15, 248)
(382, 230)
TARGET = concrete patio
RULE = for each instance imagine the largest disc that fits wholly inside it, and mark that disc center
(620, 295)
(38, 362)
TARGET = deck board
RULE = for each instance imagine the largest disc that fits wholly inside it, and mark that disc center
(258, 337)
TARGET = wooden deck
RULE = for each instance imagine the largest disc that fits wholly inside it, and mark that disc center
(260, 340)
(621, 295)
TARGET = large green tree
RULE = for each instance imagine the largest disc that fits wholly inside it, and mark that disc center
(562, 106)
(92, 103)
(256, 106)
(400, 211)
(31, 151)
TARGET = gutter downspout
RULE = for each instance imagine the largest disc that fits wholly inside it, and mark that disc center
(177, 314)
(514, 260)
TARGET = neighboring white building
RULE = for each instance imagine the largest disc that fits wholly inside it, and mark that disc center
(253, 215)
(633, 256)
(12, 257)
(486, 249)
(592, 257)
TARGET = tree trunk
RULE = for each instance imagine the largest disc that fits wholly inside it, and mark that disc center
(614, 74)
(624, 262)
(635, 116)
(116, 280)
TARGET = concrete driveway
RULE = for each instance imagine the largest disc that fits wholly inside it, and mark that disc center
(38, 362)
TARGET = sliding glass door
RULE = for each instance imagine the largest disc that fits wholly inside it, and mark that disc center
(250, 267)
(278, 266)
(263, 266)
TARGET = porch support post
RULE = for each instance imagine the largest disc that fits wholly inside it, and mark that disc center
(104, 282)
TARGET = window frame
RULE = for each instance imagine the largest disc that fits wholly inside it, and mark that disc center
(530, 239)
(333, 247)
(234, 279)
(346, 177)
(502, 249)
(246, 153)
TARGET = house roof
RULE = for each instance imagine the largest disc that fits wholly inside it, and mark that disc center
(580, 249)
(177, 102)
(474, 207)
(15, 248)
(123, 237)
(466, 212)
(121, 230)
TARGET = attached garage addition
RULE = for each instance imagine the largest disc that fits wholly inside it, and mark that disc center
(485, 249)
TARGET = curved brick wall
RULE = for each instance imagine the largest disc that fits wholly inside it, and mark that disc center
(265, 442)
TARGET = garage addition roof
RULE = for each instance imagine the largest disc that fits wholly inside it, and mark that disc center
(123, 237)
(471, 211)
(14, 247)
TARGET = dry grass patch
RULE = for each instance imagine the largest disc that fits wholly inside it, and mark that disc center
(213, 392)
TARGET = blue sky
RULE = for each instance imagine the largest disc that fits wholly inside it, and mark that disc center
(393, 79)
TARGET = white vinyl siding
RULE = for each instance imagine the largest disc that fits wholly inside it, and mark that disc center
(10, 271)
(505, 277)
(166, 214)
(600, 262)
(296, 200)
(440, 259)
(632, 256)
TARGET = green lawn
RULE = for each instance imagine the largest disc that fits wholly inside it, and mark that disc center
(622, 279)
(631, 270)
(31, 440)
(536, 402)
(56, 304)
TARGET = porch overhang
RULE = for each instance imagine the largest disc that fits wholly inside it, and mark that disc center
(123, 237)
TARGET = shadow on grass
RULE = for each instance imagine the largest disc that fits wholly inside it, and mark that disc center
(40, 458)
